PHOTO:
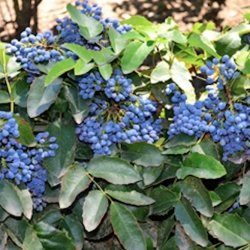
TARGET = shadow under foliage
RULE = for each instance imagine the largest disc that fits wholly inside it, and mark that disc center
(186, 11)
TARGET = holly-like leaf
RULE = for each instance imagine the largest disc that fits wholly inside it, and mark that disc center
(113, 170)
(94, 208)
(165, 199)
(89, 27)
(201, 166)
(66, 140)
(194, 190)
(244, 192)
(40, 98)
(59, 69)
(161, 73)
(231, 229)
(181, 76)
(135, 54)
(126, 228)
(191, 223)
(74, 181)
(143, 154)
(133, 197)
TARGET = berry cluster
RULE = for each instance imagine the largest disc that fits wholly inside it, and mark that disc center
(227, 123)
(69, 31)
(44, 48)
(220, 71)
(32, 50)
(116, 115)
(110, 123)
(23, 164)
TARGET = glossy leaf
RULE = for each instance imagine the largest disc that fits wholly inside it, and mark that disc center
(40, 98)
(191, 223)
(80, 51)
(74, 181)
(194, 190)
(31, 240)
(118, 42)
(59, 69)
(161, 73)
(26, 137)
(181, 76)
(201, 166)
(94, 208)
(64, 132)
(244, 192)
(9, 198)
(231, 229)
(89, 27)
(165, 199)
(135, 54)
(78, 106)
(114, 170)
(52, 238)
(126, 228)
(143, 154)
(132, 197)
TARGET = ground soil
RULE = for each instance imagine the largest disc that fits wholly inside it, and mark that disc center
(185, 12)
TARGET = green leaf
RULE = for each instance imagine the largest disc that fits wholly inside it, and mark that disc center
(83, 53)
(94, 208)
(207, 147)
(40, 98)
(228, 193)
(9, 198)
(181, 76)
(26, 137)
(126, 228)
(164, 231)
(74, 181)
(150, 175)
(181, 140)
(194, 190)
(244, 192)
(133, 197)
(31, 240)
(52, 238)
(200, 41)
(118, 42)
(105, 70)
(75, 229)
(176, 36)
(113, 170)
(183, 241)
(79, 107)
(165, 199)
(66, 140)
(161, 73)
(135, 54)
(81, 67)
(231, 229)
(89, 27)
(59, 69)
(228, 43)
(137, 21)
(191, 223)
(19, 93)
(201, 166)
(4, 97)
(26, 202)
(143, 154)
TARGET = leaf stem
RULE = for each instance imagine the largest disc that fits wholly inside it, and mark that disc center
(98, 186)
(10, 93)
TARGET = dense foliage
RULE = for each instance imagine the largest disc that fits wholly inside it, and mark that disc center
(128, 135)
